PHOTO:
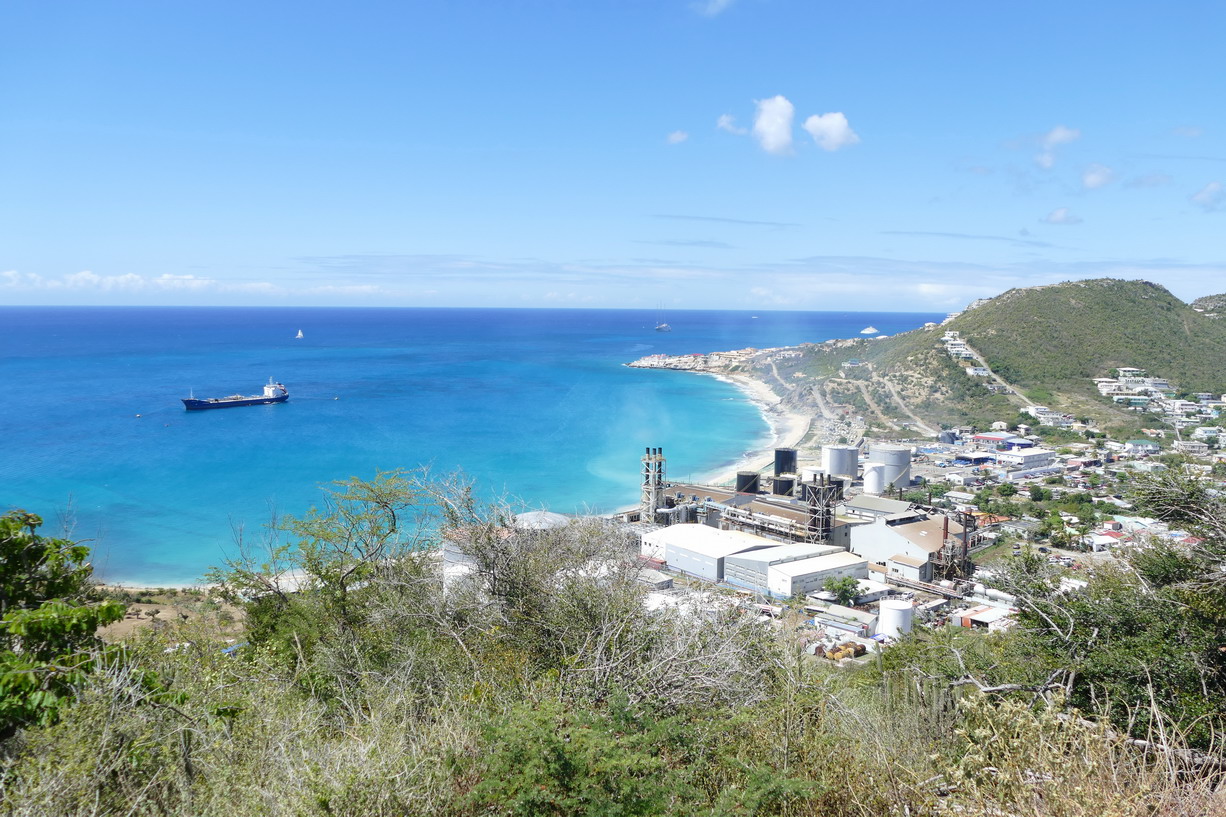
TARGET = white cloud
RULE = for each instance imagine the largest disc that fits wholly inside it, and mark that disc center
(1059, 135)
(85, 279)
(1209, 198)
(1060, 215)
(710, 8)
(728, 122)
(1189, 132)
(1096, 176)
(831, 131)
(677, 137)
(188, 282)
(88, 280)
(772, 125)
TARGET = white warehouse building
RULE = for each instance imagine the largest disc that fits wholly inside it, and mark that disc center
(752, 569)
(1026, 458)
(697, 549)
(809, 575)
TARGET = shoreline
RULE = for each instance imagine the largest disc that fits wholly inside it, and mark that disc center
(785, 429)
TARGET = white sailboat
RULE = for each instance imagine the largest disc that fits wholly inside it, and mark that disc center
(661, 326)
(299, 335)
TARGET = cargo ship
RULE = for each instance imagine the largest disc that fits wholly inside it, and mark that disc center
(273, 393)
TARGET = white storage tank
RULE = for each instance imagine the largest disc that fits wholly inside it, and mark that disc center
(897, 462)
(874, 479)
(840, 460)
(894, 618)
(810, 475)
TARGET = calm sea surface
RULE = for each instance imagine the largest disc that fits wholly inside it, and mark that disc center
(533, 403)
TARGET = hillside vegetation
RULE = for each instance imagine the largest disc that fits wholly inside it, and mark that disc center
(1057, 337)
(1048, 342)
(538, 682)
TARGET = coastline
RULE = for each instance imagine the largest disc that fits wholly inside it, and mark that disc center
(786, 428)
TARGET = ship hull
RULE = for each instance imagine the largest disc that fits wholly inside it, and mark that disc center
(192, 404)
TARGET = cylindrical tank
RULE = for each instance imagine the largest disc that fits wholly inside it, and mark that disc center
(746, 482)
(785, 461)
(948, 437)
(810, 474)
(840, 460)
(894, 617)
(784, 485)
(874, 478)
(897, 462)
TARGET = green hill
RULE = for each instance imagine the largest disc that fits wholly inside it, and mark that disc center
(1047, 341)
(1057, 337)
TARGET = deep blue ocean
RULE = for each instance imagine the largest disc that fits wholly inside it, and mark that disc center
(535, 404)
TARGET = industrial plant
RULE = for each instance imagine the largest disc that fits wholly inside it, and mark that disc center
(796, 530)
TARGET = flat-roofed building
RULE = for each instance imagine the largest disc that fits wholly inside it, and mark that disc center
(750, 569)
(1026, 458)
(803, 576)
(699, 550)
(873, 507)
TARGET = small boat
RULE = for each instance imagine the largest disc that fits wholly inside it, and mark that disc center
(661, 326)
(868, 330)
(299, 335)
(273, 393)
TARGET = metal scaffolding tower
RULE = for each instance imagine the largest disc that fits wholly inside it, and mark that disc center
(821, 498)
(653, 484)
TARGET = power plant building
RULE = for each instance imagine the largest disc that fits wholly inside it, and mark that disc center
(751, 570)
(810, 575)
(911, 545)
(699, 550)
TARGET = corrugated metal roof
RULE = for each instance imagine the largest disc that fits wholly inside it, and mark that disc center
(817, 564)
(707, 541)
(877, 504)
(784, 553)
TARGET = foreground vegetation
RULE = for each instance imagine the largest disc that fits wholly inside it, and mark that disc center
(376, 680)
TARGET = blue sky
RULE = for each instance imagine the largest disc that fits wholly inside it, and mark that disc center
(753, 154)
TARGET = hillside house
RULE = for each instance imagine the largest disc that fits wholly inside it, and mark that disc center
(1192, 448)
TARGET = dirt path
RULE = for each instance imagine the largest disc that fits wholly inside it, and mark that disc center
(919, 424)
(868, 398)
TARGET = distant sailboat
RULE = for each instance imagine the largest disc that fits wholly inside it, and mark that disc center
(661, 326)
(299, 335)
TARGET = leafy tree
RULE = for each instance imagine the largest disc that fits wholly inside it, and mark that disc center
(50, 612)
(845, 589)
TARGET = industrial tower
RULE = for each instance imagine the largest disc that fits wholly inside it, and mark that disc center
(653, 484)
(821, 498)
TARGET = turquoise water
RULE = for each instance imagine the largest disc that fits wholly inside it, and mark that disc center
(532, 403)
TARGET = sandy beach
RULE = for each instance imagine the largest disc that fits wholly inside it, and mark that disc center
(787, 428)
